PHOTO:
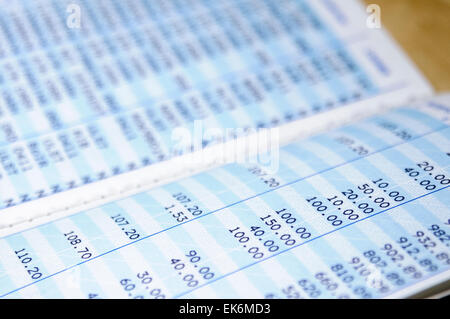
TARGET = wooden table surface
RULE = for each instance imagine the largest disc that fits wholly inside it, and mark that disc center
(422, 27)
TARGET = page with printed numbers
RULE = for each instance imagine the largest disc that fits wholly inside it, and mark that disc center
(83, 105)
(106, 105)
(358, 212)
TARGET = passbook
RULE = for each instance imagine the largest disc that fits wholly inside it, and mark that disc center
(217, 149)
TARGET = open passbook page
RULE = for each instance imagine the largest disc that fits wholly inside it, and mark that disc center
(121, 123)
(357, 212)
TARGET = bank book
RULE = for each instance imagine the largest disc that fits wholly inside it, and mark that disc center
(217, 149)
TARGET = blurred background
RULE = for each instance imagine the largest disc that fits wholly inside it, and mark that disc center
(422, 27)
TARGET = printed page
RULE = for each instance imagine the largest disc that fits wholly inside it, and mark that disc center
(92, 92)
(358, 212)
